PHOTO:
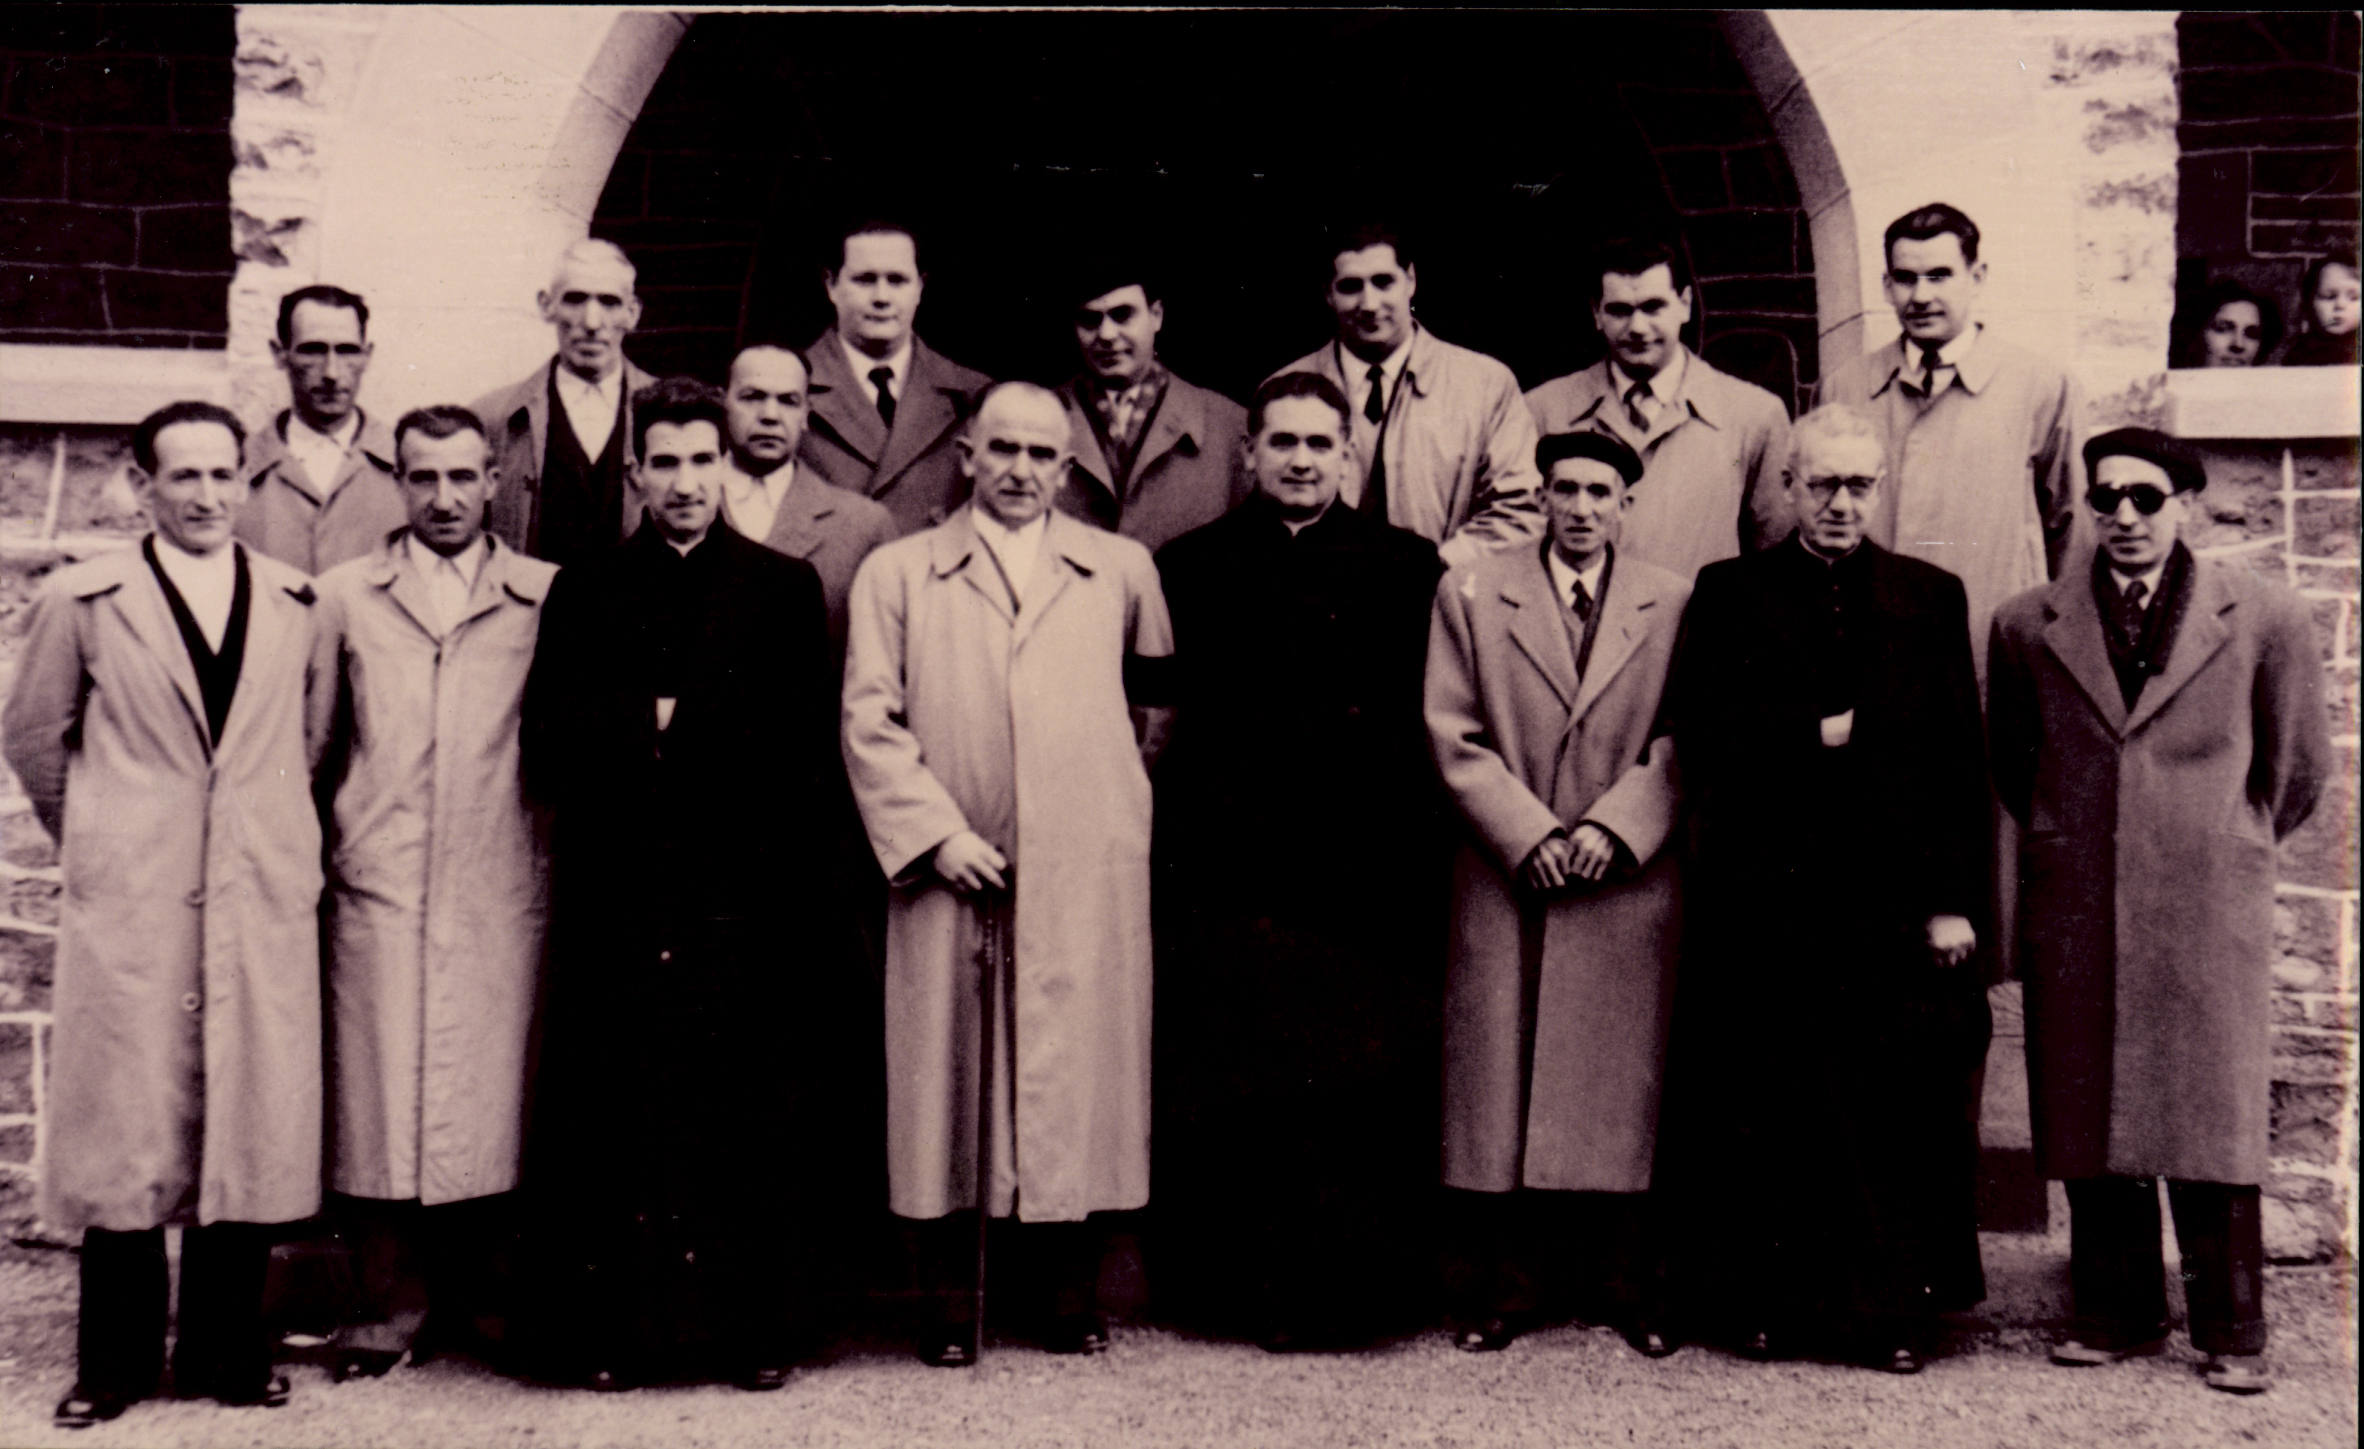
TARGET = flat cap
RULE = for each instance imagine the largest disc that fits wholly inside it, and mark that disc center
(1601, 447)
(2179, 463)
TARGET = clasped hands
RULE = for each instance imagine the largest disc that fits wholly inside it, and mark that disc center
(1584, 853)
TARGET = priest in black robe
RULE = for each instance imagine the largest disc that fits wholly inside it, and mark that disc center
(1827, 1031)
(1300, 901)
(705, 985)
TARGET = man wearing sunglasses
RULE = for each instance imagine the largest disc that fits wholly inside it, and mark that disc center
(2158, 727)
(1818, 1145)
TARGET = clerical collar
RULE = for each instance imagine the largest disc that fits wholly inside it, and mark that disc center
(1825, 559)
(897, 362)
(1296, 526)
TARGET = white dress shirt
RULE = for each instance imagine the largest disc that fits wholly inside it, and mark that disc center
(207, 583)
(1949, 362)
(1565, 579)
(753, 504)
(2148, 579)
(591, 407)
(897, 363)
(1013, 548)
(449, 581)
(1364, 432)
(321, 455)
(1660, 390)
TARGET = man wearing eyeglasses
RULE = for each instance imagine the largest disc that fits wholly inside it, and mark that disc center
(2159, 727)
(321, 478)
(1818, 1138)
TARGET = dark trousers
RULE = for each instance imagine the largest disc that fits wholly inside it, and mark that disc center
(2117, 1266)
(223, 1349)
(1511, 1254)
(409, 1259)
(1051, 1268)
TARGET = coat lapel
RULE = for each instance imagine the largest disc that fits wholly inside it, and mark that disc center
(142, 605)
(2203, 632)
(1064, 555)
(402, 585)
(1537, 628)
(844, 401)
(1624, 622)
(924, 414)
(1179, 419)
(957, 550)
(1085, 439)
(796, 529)
(267, 627)
(2073, 633)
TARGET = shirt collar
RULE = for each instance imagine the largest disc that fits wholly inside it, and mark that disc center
(1666, 384)
(301, 434)
(738, 482)
(863, 364)
(1949, 355)
(181, 563)
(608, 390)
(467, 563)
(2149, 579)
(1354, 369)
(998, 536)
(1562, 576)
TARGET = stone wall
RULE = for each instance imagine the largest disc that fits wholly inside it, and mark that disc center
(114, 153)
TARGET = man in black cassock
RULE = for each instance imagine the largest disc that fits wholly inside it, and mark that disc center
(1825, 714)
(680, 722)
(1299, 888)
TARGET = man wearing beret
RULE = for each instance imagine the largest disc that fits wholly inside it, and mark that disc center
(1545, 668)
(2158, 728)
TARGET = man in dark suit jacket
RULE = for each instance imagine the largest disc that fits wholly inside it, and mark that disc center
(1155, 457)
(790, 509)
(562, 435)
(1300, 867)
(886, 406)
(701, 968)
(1825, 713)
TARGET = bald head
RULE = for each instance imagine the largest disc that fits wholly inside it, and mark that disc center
(1015, 452)
(592, 307)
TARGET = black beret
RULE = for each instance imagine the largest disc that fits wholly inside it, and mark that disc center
(1558, 447)
(2179, 463)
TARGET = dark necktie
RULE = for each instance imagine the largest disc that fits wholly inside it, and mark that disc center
(879, 378)
(1375, 408)
(1580, 599)
(2130, 609)
(1930, 362)
(1635, 412)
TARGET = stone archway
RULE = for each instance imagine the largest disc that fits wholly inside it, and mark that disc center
(432, 158)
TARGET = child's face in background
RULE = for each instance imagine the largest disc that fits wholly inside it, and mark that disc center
(2338, 301)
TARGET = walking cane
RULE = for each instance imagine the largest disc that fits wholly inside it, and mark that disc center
(996, 913)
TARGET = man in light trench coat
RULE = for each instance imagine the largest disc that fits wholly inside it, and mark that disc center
(322, 473)
(986, 730)
(2158, 726)
(1544, 676)
(436, 901)
(158, 724)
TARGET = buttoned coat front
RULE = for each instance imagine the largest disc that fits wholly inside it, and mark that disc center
(1984, 480)
(518, 420)
(286, 517)
(437, 885)
(1527, 747)
(1460, 449)
(2148, 864)
(185, 1061)
(913, 468)
(1189, 471)
(1712, 463)
(960, 716)
(831, 529)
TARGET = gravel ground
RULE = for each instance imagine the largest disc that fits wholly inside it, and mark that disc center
(1569, 1386)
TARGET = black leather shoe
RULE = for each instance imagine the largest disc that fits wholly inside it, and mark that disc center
(82, 1408)
(362, 1363)
(1899, 1361)
(270, 1393)
(948, 1348)
(1077, 1333)
(1650, 1342)
(1491, 1336)
(767, 1379)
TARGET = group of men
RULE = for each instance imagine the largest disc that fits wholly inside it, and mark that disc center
(671, 798)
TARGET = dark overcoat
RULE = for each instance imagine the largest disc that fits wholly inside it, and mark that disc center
(913, 467)
(1189, 470)
(1556, 1008)
(2147, 867)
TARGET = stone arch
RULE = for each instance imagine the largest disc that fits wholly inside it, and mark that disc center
(434, 159)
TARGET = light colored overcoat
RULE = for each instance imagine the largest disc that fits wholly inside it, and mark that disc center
(287, 517)
(2147, 867)
(1527, 748)
(1712, 463)
(185, 1061)
(1460, 448)
(437, 878)
(912, 468)
(961, 716)
(1984, 480)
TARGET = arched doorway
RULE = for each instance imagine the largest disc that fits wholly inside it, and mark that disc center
(1016, 142)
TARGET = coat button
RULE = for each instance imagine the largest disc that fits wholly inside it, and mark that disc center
(197, 896)
(190, 1001)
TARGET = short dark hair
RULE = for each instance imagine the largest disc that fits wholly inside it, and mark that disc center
(1105, 272)
(2181, 465)
(1630, 256)
(1355, 236)
(1924, 223)
(326, 296)
(1296, 384)
(1600, 447)
(679, 401)
(143, 437)
(443, 420)
(874, 226)
(2191, 328)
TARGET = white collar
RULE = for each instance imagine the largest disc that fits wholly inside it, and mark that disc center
(863, 364)
(467, 563)
(1949, 355)
(738, 482)
(180, 563)
(2149, 579)
(1666, 384)
(1564, 578)
(998, 535)
(609, 389)
(301, 435)
(1391, 367)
